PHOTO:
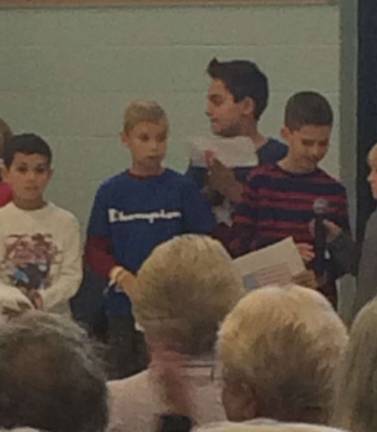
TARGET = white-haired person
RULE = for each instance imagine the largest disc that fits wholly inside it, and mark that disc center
(184, 290)
(279, 348)
(356, 383)
(264, 426)
(51, 378)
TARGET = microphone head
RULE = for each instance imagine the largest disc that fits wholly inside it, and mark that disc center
(320, 206)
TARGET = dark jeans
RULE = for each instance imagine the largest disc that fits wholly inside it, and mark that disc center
(127, 352)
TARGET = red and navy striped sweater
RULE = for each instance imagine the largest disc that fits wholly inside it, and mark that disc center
(277, 204)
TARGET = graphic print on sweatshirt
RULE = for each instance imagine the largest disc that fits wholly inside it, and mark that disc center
(28, 260)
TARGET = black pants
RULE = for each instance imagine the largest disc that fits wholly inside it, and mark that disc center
(127, 353)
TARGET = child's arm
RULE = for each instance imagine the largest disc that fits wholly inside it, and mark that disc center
(244, 220)
(70, 275)
(98, 248)
(12, 300)
(197, 215)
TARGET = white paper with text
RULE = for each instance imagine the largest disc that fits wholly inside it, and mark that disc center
(275, 264)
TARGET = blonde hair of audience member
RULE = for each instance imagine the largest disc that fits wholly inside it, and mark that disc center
(185, 289)
(278, 348)
(356, 380)
(143, 111)
(265, 426)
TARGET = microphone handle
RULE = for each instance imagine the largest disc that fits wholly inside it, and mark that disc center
(319, 245)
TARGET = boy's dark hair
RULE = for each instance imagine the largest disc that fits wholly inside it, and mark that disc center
(307, 108)
(243, 79)
(27, 143)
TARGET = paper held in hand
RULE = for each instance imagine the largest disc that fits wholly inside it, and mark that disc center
(275, 264)
(232, 152)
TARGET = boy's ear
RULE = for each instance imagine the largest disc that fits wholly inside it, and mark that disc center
(248, 106)
(3, 172)
(285, 133)
(124, 138)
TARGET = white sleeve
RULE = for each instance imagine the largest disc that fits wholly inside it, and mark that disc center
(69, 278)
(11, 298)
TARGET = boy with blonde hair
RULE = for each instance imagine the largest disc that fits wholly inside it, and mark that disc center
(133, 212)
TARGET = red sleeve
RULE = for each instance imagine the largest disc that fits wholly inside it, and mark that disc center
(98, 255)
(5, 194)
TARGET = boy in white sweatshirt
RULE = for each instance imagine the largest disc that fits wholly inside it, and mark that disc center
(40, 256)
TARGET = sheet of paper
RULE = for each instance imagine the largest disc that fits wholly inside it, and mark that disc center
(275, 264)
(232, 152)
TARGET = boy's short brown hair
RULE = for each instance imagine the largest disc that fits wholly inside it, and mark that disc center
(307, 108)
(143, 111)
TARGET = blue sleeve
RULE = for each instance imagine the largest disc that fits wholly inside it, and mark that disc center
(197, 175)
(197, 214)
(98, 221)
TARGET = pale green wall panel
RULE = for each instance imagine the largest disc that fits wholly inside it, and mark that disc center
(68, 74)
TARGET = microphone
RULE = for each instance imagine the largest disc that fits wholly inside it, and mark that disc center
(320, 208)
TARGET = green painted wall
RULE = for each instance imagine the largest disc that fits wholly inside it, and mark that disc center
(69, 73)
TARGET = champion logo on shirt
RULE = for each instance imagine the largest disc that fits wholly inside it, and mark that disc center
(151, 217)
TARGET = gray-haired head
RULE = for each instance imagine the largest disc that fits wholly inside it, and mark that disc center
(186, 287)
(50, 376)
(278, 347)
(356, 381)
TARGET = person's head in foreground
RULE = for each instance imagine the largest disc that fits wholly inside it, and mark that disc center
(265, 425)
(185, 289)
(278, 348)
(356, 383)
(50, 376)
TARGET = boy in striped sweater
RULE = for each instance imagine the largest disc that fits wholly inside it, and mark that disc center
(278, 199)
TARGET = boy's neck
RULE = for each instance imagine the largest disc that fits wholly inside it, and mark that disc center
(250, 129)
(29, 205)
(143, 173)
(288, 165)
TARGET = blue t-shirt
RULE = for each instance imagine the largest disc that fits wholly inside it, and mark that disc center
(137, 214)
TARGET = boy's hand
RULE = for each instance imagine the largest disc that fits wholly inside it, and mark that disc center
(127, 281)
(332, 230)
(36, 299)
(307, 279)
(306, 251)
(223, 180)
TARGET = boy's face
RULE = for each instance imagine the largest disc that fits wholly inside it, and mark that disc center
(28, 176)
(147, 144)
(372, 177)
(224, 113)
(307, 146)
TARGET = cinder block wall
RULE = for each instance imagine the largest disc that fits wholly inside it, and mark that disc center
(67, 74)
